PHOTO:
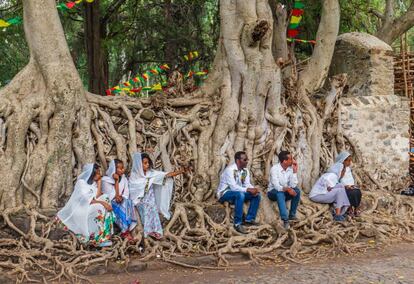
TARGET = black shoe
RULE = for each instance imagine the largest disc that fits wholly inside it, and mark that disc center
(251, 223)
(409, 191)
(239, 228)
(286, 224)
(293, 218)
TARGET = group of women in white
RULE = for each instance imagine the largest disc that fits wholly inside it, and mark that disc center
(97, 203)
(337, 186)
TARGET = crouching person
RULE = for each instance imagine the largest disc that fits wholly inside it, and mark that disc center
(235, 188)
(283, 184)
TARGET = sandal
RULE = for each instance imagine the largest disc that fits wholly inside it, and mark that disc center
(155, 235)
(127, 235)
(358, 212)
(351, 213)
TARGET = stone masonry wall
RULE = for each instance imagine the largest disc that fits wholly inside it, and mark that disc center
(373, 119)
(378, 127)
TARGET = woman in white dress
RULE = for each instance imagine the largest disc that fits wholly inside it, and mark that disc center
(88, 213)
(151, 192)
(342, 168)
(115, 186)
(328, 190)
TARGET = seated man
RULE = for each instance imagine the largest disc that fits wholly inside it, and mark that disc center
(235, 188)
(283, 186)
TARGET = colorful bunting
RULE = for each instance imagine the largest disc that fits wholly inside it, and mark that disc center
(301, 40)
(295, 19)
(130, 87)
(61, 6)
(140, 80)
(9, 22)
(191, 55)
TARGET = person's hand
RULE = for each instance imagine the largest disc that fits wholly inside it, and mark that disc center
(294, 166)
(118, 198)
(291, 192)
(115, 176)
(254, 191)
(107, 206)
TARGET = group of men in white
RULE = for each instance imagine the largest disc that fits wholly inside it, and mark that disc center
(336, 186)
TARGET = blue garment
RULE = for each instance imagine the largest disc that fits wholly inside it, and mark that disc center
(238, 198)
(281, 197)
(125, 216)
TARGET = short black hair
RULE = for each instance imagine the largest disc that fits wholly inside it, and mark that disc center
(238, 155)
(145, 155)
(96, 167)
(283, 156)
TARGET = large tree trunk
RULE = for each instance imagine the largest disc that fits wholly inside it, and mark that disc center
(44, 100)
(170, 48)
(98, 68)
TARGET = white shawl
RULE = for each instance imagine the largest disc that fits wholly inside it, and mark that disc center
(108, 183)
(322, 184)
(75, 213)
(162, 186)
(336, 168)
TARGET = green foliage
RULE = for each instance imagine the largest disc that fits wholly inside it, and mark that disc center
(137, 35)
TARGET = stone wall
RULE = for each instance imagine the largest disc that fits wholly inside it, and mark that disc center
(373, 119)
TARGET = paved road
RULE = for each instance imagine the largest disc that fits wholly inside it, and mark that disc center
(392, 265)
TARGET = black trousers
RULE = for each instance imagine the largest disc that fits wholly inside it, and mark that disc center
(354, 196)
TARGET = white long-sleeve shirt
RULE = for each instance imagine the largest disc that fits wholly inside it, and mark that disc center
(280, 178)
(234, 179)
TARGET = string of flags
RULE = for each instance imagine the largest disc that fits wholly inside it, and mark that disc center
(9, 22)
(295, 19)
(62, 6)
(140, 83)
(301, 40)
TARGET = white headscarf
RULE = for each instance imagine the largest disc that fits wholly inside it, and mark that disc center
(108, 183)
(337, 168)
(75, 213)
(339, 163)
(156, 180)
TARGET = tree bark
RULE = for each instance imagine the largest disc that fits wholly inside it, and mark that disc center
(170, 49)
(95, 31)
(392, 28)
(44, 98)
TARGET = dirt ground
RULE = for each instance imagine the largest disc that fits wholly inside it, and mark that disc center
(393, 264)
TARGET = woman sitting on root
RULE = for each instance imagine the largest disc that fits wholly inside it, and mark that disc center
(342, 168)
(115, 186)
(151, 191)
(88, 213)
(328, 190)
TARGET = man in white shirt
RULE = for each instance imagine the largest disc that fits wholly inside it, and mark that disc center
(235, 188)
(283, 184)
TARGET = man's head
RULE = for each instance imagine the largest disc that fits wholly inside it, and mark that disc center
(285, 159)
(241, 160)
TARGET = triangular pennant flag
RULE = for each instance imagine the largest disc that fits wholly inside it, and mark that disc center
(297, 12)
(157, 87)
(70, 5)
(4, 24)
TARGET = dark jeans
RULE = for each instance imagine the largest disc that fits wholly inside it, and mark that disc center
(281, 197)
(238, 198)
(354, 196)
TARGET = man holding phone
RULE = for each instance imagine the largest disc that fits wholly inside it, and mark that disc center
(283, 184)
